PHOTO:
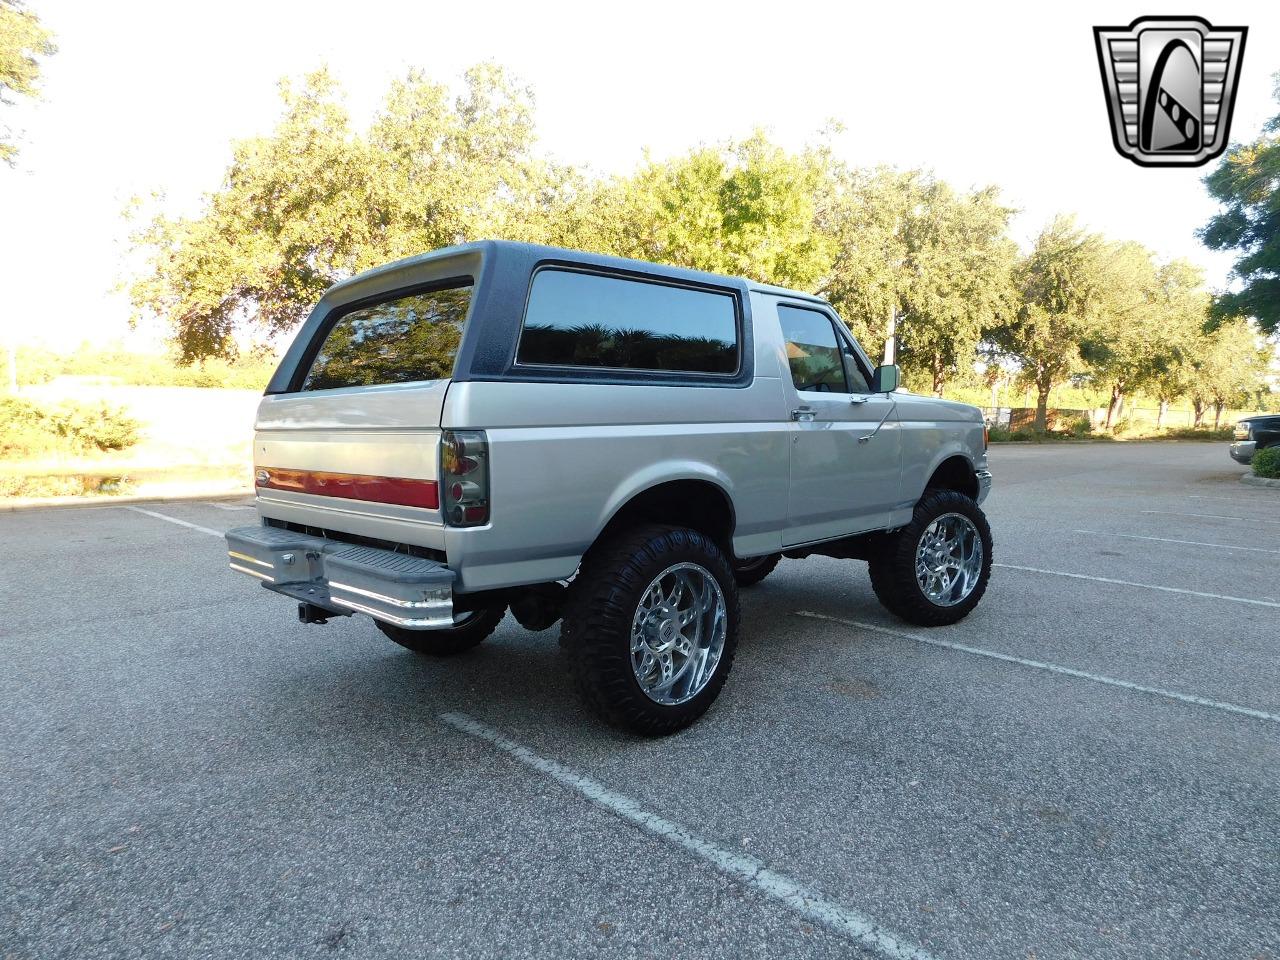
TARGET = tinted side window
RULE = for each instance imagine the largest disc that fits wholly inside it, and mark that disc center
(859, 381)
(589, 320)
(813, 352)
(401, 340)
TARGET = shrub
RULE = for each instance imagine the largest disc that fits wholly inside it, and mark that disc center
(1266, 463)
(25, 431)
(28, 430)
(1005, 435)
(1080, 428)
(96, 426)
(1198, 433)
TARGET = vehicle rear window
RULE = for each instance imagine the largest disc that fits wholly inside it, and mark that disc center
(590, 320)
(399, 340)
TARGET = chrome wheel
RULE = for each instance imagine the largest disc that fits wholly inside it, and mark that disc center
(678, 633)
(949, 559)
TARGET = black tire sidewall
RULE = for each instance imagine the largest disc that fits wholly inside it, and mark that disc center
(450, 640)
(597, 625)
(893, 572)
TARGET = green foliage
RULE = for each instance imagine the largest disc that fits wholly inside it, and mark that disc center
(248, 372)
(22, 40)
(317, 200)
(745, 209)
(1005, 435)
(1080, 427)
(909, 244)
(1266, 463)
(1247, 184)
(29, 431)
(1229, 364)
(1196, 433)
(1061, 284)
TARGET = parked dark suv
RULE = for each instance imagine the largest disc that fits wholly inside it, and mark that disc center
(1254, 434)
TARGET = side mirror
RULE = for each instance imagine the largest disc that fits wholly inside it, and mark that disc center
(885, 379)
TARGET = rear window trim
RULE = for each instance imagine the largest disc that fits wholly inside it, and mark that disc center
(619, 375)
(335, 314)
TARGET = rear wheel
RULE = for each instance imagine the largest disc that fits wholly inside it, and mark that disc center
(651, 628)
(467, 631)
(751, 570)
(935, 569)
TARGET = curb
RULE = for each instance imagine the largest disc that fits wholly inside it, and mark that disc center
(46, 503)
(1253, 481)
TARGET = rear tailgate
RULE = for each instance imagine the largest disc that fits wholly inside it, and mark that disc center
(359, 460)
(348, 436)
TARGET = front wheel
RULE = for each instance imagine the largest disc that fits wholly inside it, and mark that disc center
(468, 630)
(750, 571)
(933, 571)
(651, 628)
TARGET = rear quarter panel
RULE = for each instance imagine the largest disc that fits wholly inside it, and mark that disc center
(566, 456)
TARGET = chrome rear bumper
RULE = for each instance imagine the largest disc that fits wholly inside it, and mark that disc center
(407, 591)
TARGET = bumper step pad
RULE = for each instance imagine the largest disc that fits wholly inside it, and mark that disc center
(407, 591)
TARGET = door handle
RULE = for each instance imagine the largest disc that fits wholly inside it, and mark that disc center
(803, 414)
(858, 401)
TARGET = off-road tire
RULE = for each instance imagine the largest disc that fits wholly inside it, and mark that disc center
(750, 571)
(596, 629)
(450, 641)
(893, 566)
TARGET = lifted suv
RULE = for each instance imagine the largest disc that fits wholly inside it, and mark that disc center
(609, 443)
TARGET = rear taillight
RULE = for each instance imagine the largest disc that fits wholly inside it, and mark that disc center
(986, 435)
(464, 477)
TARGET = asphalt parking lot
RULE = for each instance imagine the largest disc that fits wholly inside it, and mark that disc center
(1086, 767)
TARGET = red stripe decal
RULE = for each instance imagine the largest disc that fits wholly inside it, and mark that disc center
(352, 486)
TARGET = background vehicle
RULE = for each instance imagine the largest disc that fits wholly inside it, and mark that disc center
(611, 443)
(1254, 434)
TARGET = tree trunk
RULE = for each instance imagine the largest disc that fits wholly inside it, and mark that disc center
(939, 376)
(1160, 411)
(1042, 406)
(1198, 407)
(1217, 414)
(1120, 408)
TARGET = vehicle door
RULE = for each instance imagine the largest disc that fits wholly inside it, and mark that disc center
(846, 455)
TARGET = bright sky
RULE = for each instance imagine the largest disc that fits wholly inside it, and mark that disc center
(147, 96)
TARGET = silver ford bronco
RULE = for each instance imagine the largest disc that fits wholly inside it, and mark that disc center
(612, 444)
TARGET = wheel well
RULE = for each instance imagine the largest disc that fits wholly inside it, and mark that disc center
(955, 473)
(698, 504)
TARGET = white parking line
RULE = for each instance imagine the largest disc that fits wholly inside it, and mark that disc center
(803, 900)
(231, 506)
(181, 523)
(1190, 543)
(1050, 667)
(1209, 516)
(1144, 586)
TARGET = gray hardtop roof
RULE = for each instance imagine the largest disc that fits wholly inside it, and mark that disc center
(533, 251)
(785, 292)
